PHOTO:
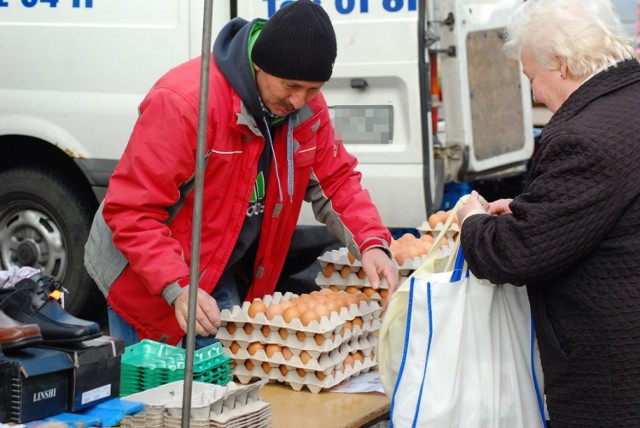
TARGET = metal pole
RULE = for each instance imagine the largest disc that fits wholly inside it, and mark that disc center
(197, 211)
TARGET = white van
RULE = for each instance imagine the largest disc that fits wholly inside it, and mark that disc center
(420, 93)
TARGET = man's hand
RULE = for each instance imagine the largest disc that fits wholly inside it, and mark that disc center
(207, 312)
(377, 264)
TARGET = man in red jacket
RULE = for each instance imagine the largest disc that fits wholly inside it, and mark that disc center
(270, 145)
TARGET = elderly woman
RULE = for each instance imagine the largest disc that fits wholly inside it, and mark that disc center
(573, 237)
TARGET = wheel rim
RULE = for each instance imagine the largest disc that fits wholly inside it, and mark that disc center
(30, 237)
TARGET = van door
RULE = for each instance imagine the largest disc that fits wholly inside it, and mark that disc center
(486, 98)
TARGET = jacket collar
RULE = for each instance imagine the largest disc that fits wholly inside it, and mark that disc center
(622, 74)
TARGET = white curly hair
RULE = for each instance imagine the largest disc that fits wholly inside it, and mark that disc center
(588, 33)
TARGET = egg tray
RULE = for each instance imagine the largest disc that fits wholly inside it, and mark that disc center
(326, 326)
(338, 257)
(310, 380)
(314, 344)
(336, 278)
(257, 414)
(314, 361)
(206, 399)
(452, 231)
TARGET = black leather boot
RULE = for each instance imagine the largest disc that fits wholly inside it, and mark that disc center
(31, 302)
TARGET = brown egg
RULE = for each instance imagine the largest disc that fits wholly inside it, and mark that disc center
(319, 339)
(361, 274)
(311, 303)
(273, 349)
(333, 306)
(433, 220)
(406, 237)
(358, 356)
(362, 297)
(231, 327)
(284, 370)
(301, 335)
(321, 376)
(285, 304)
(283, 333)
(266, 367)
(333, 287)
(286, 353)
(357, 321)
(290, 314)
(427, 238)
(384, 293)
(301, 372)
(351, 299)
(348, 361)
(368, 291)
(305, 357)
(235, 347)
(254, 347)
(345, 271)
(248, 328)
(266, 331)
(401, 256)
(351, 257)
(328, 270)
(322, 310)
(248, 364)
(443, 216)
(308, 317)
(347, 326)
(273, 310)
(257, 307)
(301, 307)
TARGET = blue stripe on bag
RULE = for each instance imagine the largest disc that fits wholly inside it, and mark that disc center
(426, 361)
(533, 373)
(406, 345)
(458, 266)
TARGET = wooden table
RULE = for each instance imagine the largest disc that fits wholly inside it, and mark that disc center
(323, 410)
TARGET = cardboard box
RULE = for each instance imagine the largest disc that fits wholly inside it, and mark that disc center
(95, 377)
(35, 384)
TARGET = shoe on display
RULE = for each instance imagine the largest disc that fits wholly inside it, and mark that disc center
(36, 303)
(14, 334)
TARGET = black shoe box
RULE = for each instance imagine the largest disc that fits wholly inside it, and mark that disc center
(34, 384)
(95, 377)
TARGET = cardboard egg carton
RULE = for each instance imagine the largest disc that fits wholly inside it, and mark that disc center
(326, 326)
(206, 399)
(306, 360)
(297, 341)
(371, 293)
(425, 228)
(339, 258)
(314, 381)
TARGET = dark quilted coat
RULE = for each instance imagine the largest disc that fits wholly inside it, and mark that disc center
(574, 241)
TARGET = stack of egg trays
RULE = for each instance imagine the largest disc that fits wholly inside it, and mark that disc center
(148, 364)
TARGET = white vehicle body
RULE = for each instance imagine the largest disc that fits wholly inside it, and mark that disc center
(74, 72)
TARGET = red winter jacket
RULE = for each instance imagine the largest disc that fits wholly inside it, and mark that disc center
(161, 155)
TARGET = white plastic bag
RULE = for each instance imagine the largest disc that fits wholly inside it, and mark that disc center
(455, 351)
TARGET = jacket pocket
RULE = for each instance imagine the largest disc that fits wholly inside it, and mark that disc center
(304, 155)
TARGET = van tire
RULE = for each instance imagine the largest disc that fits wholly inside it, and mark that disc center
(44, 223)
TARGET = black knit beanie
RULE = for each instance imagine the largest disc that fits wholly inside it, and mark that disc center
(297, 43)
